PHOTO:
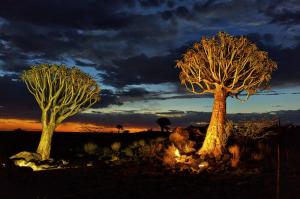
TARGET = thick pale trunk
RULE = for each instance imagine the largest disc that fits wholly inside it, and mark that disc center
(214, 140)
(44, 147)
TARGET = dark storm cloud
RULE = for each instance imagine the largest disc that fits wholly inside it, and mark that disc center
(143, 69)
(77, 14)
(135, 92)
(26, 45)
(182, 11)
(83, 63)
(288, 72)
(283, 12)
(151, 3)
(107, 98)
(15, 100)
(171, 113)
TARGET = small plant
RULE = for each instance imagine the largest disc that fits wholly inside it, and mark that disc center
(170, 156)
(255, 129)
(235, 152)
(90, 148)
(106, 151)
(179, 135)
(116, 146)
(141, 142)
(128, 152)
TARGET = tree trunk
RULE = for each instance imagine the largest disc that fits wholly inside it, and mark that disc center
(216, 138)
(45, 141)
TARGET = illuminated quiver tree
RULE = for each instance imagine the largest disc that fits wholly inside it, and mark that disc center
(225, 66)
(60, 92)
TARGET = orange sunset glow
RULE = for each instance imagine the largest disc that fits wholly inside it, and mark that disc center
(33, 125)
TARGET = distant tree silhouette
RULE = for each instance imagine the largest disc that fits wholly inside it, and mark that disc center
(119, 127)
(60, 92)
(163, 122)
(224, 65)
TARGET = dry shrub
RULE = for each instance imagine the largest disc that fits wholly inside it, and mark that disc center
(152, 150)
(263, 149)
(229, 126)
(179, 135)
(141, 142)
(170, 156)
(128, 152)
(160, 139)
(188, 147)
(257, 156)
(106, 151)
(134, 145)
(255, 129)
(116, 146)
(180, 138)
(224, 137)
(90, 148)
(235, 152)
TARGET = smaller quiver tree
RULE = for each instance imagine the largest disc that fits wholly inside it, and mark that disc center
(119, 127)
(60, 92)
(225, 66)
(163, 122)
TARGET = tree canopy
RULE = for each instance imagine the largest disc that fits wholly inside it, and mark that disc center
(233, 63)
(61, 90)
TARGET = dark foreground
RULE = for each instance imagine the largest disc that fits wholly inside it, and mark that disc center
(140, 181)
(144, 179)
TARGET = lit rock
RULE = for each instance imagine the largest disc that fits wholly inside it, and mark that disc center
(27, 156)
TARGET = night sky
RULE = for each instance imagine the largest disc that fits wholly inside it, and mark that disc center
(130, 47)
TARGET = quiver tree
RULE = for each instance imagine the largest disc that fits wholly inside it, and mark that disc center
(225, 66)
(163, 122)
(119, 127)
(60, 93)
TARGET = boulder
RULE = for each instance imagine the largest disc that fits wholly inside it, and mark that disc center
(33, 165)
(31, 160)
(27, 156)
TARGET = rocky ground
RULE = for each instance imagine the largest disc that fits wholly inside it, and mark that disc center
(137, 166)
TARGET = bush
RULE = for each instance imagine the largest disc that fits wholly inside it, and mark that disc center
(170, 156)
(128, 152)
(255, 129)
(235, 152)
(90, 148)
(179, 136)
(116, 146)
